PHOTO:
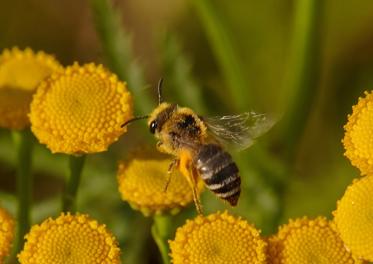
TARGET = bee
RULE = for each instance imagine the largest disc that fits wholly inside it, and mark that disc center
(197, 142)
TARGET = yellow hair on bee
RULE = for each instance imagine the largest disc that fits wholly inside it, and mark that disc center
(160, 108)
(200, 124)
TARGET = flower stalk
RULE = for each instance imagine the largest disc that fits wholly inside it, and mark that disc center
(161, 232)
(24, 180)
(224, 50)
(116, 45)
(300, 88)
(76, 164)
(303, 72)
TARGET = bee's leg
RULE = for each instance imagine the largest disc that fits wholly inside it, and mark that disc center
(170, 170)
(197, 201)
(160, 147)
(174, 163)
(191, 174)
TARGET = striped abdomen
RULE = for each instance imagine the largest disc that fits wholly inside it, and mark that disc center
(219, 172)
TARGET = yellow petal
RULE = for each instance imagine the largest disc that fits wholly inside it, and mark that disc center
(20, 74)
(358, 140)
(219, 238)
(80, 110)
(304, 241)
(69, 239)
(142, 180)
(354, 218)
(6, 233)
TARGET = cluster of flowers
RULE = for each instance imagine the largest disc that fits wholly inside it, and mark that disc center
(79, 109)
(224, 238)
(73, 110)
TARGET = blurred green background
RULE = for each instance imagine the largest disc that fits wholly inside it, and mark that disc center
(305, 62)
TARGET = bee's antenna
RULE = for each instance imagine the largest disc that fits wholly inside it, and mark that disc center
(134, 119)
(160, 82)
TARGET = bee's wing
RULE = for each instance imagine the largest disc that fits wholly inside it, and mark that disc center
(238, 131)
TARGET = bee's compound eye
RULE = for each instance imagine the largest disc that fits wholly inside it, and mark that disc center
(153, 126)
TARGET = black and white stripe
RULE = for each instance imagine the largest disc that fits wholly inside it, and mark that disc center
(219, 172)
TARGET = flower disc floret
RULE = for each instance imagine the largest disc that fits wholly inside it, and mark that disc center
(80, 110)
(304, 241)
(6, 233)
(142, 180)
(219, 238)
(354, 218)
(70, 239)
(21, 71)
(358, 140)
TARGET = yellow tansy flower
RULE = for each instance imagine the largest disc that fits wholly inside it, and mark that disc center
(6, 233)
(358, 140)
(142, 181)
(70, 239)
(304, 241)
(20, 74)
(80, 110)
(354, 218)
(219, 238)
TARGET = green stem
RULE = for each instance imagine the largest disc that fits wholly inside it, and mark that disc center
(116, 44)
(224, 51)
(303, 73)
(139, 233)
(301, 85)
(161, 233)
(71, 189)
(24, 180)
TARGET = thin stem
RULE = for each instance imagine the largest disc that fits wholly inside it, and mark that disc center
(160, 233)
(116, 44)
(224, 51)
(24, 183)
(302, 83)
(304, 70)
(72, 185)
(140, 233)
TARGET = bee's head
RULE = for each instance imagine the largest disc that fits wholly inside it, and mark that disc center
(159, 116)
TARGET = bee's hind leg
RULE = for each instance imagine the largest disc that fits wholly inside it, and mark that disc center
(192, 177)
(173, 164)
(197, 201)
(191, 174)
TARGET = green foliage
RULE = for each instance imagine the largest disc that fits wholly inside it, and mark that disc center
(116, 44)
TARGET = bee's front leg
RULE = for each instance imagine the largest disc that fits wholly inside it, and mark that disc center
(161, 148)
(171, 167)
(173, 164)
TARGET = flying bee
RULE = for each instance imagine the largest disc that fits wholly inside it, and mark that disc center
(197, 144)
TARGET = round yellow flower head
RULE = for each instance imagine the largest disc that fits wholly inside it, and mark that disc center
(70, 239)
(20, 74)
(80, 110)
(143, 179)
(219, 238)
(304, 241)
(354, 218)
(358, 140)
(6, 233)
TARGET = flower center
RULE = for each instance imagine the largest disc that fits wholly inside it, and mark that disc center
(361, 135)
